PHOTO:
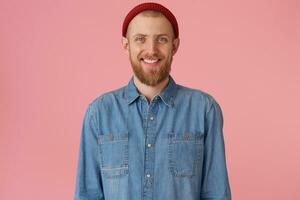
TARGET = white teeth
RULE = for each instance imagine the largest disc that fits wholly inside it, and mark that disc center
(150, 61)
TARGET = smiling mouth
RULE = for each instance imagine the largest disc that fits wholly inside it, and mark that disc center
(150, 62)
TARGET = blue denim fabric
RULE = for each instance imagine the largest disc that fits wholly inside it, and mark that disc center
(169, 149)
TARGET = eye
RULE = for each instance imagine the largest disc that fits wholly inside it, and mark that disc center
(139, 39)
(163, 39)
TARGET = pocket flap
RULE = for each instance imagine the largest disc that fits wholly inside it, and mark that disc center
(188, 136)
(113, 137)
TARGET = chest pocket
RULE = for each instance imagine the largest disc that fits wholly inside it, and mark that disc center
(185, 152)
(113, 152)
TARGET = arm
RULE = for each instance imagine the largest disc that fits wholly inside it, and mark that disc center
(215, 183)
(88, 181)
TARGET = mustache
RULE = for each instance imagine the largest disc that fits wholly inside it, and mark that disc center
(150, 57)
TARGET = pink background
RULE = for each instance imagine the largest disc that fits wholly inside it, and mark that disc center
(57, 56)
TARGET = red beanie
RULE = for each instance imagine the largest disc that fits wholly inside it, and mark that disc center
(150, 6)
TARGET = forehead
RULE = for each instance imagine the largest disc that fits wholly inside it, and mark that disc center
(150, 25)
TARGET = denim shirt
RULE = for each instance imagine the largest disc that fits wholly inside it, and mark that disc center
(169, 149)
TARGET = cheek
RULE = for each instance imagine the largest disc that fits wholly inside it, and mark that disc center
(166, 50)
(167, 53)
(133, 54)
(134, 51)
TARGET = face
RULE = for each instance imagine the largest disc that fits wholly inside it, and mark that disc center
(151, 45)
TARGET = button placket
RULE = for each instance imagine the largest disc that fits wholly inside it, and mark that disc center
(150, 132)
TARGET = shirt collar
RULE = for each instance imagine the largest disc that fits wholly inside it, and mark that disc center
(167, 95)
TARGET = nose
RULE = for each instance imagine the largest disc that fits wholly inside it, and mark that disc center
(151, 47)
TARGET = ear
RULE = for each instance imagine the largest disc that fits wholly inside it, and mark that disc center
(125, 45)
(175, 45)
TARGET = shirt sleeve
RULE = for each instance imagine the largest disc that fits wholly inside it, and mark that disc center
(88, 180)
(215, 183)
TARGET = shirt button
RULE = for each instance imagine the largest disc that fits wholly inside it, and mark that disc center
(149, 145)
(148, 175)
(151, 118)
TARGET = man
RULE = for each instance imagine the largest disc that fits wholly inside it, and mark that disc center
(152, 139)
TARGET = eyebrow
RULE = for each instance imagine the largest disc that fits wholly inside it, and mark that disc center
(140, 34)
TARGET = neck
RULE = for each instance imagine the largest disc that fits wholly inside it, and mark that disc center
(150, 91)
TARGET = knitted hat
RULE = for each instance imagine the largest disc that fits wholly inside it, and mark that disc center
(150, 6)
